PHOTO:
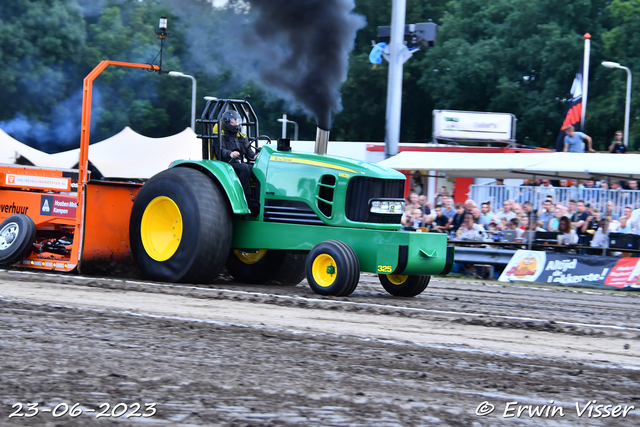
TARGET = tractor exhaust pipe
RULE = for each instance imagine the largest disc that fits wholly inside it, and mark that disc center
(322, 141)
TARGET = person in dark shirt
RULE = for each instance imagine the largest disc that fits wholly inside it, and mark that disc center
(234, 148)
(457, 219)
(617, 146)
(580, 216)
(441, 223)
(592, 222)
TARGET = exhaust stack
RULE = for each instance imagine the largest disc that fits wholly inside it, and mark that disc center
(322, 141)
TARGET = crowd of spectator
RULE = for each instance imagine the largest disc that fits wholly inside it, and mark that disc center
(578, 221)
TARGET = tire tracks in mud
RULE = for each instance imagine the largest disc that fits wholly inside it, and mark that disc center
(559, 310)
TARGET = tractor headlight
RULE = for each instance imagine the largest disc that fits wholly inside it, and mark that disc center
(386, 206)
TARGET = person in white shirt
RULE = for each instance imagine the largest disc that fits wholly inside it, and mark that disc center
(470, 230)
(601, 236)
(569, 236)
(634, 221)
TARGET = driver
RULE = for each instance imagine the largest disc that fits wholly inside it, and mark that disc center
(234, 148)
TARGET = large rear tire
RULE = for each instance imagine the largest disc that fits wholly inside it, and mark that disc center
(333, 268)
(404, 286)
(17, 233)
(180, 228)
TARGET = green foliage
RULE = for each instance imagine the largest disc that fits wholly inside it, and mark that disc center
(513, 56)
(41, 45)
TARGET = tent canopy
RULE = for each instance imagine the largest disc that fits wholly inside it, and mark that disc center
(521, 165)
(131, 155)
(11, 149)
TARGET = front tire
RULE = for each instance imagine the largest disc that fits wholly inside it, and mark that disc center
(180, 228)
(333, 268)
(17, 233)
(404, 286)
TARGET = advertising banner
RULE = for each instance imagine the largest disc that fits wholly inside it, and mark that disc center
(450, 124)
(572, 269)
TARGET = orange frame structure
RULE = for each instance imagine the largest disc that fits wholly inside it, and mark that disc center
(96, 216)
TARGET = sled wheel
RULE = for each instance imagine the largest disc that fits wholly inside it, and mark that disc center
(292, 270)
(180, 227)
(333, 268)
(254, 267)
(16, 238)
(400, 285)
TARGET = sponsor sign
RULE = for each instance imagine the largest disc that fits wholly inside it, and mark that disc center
(625, 273)
(524, 266)
(449, 124)
(44, 182)
(572, 269)
(14, 209)
(60, 206)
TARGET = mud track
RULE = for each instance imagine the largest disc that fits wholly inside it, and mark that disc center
(240, 355)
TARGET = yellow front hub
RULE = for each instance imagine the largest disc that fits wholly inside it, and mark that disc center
(161, 228)
(324, 270)
(397, 279)
(250, 257)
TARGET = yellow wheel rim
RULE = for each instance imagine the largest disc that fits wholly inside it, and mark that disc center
(250, 257)
(397, 279)
(324, 270)
(161, 228)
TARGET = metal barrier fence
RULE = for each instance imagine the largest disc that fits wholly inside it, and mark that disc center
(596, 197)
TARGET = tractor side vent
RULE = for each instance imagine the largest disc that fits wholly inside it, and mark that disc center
(290, 212)
(362, 189)
(326, 189)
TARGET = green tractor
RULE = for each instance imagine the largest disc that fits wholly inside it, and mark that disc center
(324, 217)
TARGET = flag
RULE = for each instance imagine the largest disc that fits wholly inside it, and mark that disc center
(573, 111)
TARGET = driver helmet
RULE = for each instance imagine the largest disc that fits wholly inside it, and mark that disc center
(231, 121)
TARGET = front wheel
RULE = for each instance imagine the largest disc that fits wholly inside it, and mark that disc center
(401, 285)
(16, 238)
(333, 268)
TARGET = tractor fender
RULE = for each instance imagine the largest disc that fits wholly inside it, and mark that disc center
(225, 176)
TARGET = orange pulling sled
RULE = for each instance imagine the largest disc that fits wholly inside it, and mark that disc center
(59, 219)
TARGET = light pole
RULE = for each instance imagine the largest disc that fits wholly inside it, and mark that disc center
(284, 122)
(193, 95)
(610, 64)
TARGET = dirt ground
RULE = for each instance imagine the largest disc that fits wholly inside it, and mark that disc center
(238, 355)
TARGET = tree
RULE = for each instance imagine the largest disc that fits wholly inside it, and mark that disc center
(41, 45)
(511, 56)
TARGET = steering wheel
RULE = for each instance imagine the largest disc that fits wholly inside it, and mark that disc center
(254, 142)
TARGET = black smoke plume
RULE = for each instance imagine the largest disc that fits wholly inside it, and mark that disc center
(301, 48)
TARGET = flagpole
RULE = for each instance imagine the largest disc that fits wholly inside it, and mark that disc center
(585, 78)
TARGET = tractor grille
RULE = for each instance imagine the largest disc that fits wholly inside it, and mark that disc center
(290, 212)
(362, 189)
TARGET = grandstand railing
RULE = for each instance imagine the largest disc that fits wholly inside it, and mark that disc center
(596, 197)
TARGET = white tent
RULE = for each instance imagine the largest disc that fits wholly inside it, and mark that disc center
(520, 165)
(131, 155)
(11, 149)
